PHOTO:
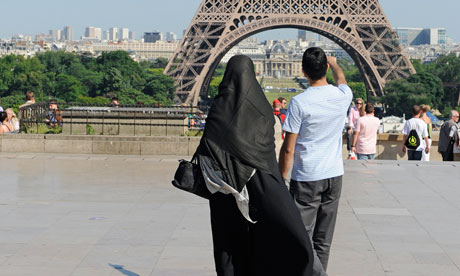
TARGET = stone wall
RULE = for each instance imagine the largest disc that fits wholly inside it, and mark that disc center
(388, 148)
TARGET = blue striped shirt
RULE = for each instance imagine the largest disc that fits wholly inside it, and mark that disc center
(318, 117)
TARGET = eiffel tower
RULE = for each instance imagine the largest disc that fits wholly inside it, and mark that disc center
(360, 27)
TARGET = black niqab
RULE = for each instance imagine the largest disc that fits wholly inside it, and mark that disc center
(239, 133)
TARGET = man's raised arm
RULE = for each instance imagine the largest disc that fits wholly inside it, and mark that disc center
(339, 76)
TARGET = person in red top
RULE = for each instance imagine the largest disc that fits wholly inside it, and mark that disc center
(277, 110)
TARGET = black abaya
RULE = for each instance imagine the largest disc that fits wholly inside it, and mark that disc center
(239, 138)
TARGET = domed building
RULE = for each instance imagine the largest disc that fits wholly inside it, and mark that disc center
(279, 62)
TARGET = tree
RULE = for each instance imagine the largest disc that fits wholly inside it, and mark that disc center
(359, 90)
(160, 86)
(130, 71)
(113, 81)
(214, 86)
(69, 88)
(401, 95)
(133, 96)
(447, 68)
(430, 86)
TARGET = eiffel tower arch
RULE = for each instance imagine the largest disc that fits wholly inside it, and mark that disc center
(360, 27)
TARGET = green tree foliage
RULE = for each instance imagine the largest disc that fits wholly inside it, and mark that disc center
(84, 79)
(359, 90)
(159, 86)
(447, 68)
(214, 86)
(426, 87)
(69, 88)
(402, 95)
(213, 89)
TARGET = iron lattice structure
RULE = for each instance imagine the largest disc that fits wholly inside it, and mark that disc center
(360, 27)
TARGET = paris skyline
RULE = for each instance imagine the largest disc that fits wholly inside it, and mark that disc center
(148, 15)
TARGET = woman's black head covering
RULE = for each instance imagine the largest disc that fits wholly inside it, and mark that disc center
(240, 125)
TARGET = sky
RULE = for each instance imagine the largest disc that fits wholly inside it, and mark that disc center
(31, 17)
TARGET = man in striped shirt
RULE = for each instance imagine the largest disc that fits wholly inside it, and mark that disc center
(313, 127)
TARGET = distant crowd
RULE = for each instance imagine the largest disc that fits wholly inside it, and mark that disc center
(9, 122)
(362, 129)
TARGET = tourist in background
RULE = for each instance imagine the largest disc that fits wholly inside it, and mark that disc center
(30, 99)
(365, 135)
(256, 227)
(446, 144)
(277, 110)
(5, 127)
(420, 127)
(283, 102)
(355, 112)
(456, 137)
(54, 117)
(114, 102)
(429, 125)
(12, 120)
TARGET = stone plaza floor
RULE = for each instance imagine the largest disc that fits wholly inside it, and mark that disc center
(119, 215)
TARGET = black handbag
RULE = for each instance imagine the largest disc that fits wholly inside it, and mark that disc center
(189, 178)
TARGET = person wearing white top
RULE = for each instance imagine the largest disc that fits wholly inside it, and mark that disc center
(313, 141)
(422, 132)
(456, 135)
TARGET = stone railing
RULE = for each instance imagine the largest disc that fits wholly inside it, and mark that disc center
(388, 148)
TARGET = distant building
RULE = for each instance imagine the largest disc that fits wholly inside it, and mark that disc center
(68, 33)
(123, 34)
(153, 37)
(90, 32)
(171, 37)
(132, 36)
(98, 33)
(139, 50)
(113, 34)
(280, 62)
(56, 34)
(420, 36)
(304, 35)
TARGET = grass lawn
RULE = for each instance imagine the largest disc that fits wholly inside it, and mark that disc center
(280, 83)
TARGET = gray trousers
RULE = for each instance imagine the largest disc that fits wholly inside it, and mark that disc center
(318, 202)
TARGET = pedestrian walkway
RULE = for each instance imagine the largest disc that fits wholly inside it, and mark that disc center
(119, 215)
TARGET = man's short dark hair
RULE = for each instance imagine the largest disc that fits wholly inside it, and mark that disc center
(29, 95)
(281, 99)
(369, 108)
(114, 99)
(416, 109)
(53, 102)
(314, 63)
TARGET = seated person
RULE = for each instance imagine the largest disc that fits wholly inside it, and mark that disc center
(54, 117)
(5, 127)
(115, 102)
(12, 120)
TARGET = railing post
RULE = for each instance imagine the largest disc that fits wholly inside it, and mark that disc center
(87, 114)
(135, 122)
(151, 115)
(103, 121)
(167, 123)
(71, 121)
(118, 122)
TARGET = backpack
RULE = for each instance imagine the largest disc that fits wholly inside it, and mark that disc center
(413, 140)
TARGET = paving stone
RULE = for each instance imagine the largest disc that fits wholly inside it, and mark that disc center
(119, 215)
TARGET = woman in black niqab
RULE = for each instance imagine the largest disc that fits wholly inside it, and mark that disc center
(238, 144)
